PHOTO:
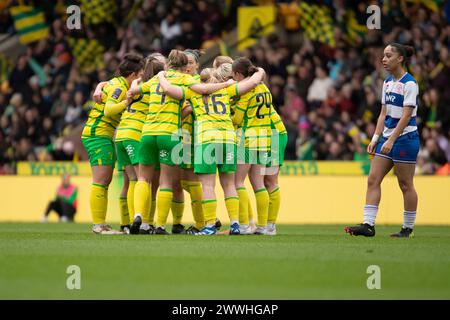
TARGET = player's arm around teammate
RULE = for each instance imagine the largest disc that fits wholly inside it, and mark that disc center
(399, 143)
(98, 133)
(214, 113)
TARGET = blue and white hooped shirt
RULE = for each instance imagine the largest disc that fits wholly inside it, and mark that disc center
(396, 95)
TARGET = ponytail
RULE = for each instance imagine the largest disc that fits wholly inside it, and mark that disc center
(224, 72)
(153, 65)
(244, 66)
(177, 60)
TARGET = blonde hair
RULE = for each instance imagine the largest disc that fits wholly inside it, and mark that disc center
(177, 60)
(219, 60)
(206, 74)
(224, 72)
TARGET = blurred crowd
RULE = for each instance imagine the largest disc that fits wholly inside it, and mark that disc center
(329, 97)
(47, 98)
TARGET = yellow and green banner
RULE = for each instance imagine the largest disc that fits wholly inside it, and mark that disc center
(253, 23)
(29, 22)
(317, 23)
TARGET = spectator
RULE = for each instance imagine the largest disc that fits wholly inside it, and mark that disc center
(317, 92)
(65, 203)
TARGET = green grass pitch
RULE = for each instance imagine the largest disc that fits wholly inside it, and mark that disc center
(302, 262)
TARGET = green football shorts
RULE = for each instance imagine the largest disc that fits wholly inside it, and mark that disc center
(100, 150)
(212, 156)
(277, 150)
(155, 150)
(127, 153)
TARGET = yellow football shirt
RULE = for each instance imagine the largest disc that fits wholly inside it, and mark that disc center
(133, 119)
(163, 117)
(212, 115)
(252, 115)
(99, 125)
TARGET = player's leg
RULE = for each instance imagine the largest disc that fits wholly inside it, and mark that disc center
(131, 165)
(404, 154)
(271, 184)
(227, 181)
(405, 177)
(244, 201)
(209, 203)
(256, 176)
(102, 176)
(278, 147)
(191, 183)
(379, 168)
(227, 168)
(154, 191)
(123, 204)
(102, 157)
(142, 198)
(205, 167)
(142, 190)
(177, 203)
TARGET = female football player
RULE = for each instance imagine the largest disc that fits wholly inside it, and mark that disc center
(252, 116)
(399, 143)
(98, 133)
(127, 146)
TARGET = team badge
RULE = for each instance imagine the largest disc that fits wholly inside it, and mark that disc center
(163, 154)
(116, 94)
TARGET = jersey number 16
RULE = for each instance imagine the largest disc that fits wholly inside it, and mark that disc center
(216, 104)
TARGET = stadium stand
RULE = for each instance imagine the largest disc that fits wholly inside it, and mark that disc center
(325, 77)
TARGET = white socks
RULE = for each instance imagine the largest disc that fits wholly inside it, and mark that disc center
(370, 214)
(409, 217)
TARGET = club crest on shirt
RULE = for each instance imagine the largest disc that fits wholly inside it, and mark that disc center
(398, 88)
(116, 93)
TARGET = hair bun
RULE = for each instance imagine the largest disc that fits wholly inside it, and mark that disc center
(409, 51)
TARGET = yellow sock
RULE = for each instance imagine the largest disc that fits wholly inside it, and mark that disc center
(130, 198)
(195, 190)
(232, 204)
(99, 203)
(243, 205)
(163, 202)
(274, 205)
(262, 206)
(250, 212)
(209, 211)
(152, 211)
(141, 199)
(177, 211)
(124, 215)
